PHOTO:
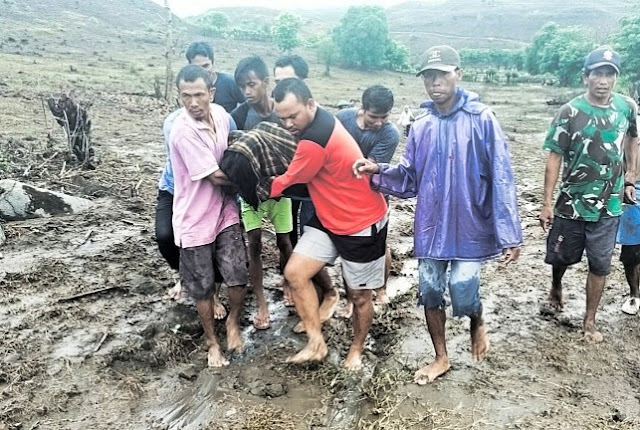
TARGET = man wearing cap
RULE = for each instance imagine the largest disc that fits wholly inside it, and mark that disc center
(594, 137)
(457, 164)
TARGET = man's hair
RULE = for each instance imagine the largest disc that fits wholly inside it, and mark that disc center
(199, 48)
(300, 67)
(295, 86)
(247, 65)
(378, 99)
(192, 73)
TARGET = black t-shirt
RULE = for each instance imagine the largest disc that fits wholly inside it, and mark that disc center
(227, 95)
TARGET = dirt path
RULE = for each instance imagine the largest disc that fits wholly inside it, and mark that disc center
(129, 358)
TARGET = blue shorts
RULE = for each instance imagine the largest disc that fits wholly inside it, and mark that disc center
(463, 281)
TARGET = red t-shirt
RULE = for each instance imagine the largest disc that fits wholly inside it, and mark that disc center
(323, 161)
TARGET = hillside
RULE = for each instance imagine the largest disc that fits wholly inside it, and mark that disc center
(463, 23)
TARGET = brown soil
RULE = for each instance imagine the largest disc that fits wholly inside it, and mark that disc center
(129, 358)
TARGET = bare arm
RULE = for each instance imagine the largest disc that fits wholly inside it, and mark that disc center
(551, 173)
(218, 178)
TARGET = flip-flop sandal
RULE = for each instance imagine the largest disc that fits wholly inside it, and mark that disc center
(631, 306)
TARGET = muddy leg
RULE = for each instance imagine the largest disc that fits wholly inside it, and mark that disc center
(261, 319)
(234, 335)
(436, 319)
(326, 294)
(214, 356)
(555, 295)
(284, 245)
(381, 293)
(298, 273)
(479, 337)
(632, 274)
(362, 317)
(595, 287)
(219, 312)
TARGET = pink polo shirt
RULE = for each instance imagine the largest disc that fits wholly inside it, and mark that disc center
(201, 210)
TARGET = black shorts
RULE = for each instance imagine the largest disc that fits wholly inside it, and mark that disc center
(197, 264)
(630, 255)
(569, 238)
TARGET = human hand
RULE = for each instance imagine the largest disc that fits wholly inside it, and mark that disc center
(364, 166)
(630, 194)
(546, 218)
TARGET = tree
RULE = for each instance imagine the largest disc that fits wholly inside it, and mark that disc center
(559, 51)
(627, 43)
(215, 23)
(285, 32)
(362, 36)
(541, 39)
(363, 40)
(327, 53)
(396, 57)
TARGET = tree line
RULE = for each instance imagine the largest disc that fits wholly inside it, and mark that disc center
(361, 40)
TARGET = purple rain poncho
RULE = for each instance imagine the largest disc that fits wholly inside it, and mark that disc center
(458, 166)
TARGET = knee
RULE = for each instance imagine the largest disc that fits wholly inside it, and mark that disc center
(360, 298)
(293, 276)
(431, 298)
(283, 241)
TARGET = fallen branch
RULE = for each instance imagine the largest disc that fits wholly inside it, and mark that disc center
(99, 345)
(88, 293)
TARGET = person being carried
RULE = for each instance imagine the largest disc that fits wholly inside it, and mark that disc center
(457, 164)
(592, 136)
(350, 221)
(252, 77)
(378, 139)
(205, 219)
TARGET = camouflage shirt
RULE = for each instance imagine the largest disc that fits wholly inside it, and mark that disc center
(590, 138)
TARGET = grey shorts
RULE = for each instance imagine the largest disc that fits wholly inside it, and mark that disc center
(568, 239)
(359, 275)
(227, 253)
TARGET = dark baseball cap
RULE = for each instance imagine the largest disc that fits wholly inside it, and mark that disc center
(602, 57)
(443, 58)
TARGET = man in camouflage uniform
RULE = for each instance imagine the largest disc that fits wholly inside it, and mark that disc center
(594, 136)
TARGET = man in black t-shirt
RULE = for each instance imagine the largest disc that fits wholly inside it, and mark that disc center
(226, 93)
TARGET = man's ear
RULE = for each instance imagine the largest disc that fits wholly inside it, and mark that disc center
(213, 94)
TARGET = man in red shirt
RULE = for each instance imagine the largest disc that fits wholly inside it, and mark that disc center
(350, 222)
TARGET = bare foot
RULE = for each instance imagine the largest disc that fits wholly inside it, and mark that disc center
(381, 296)
(479, 343)
(215, 357)
(329, 305)
(431, 371)
(347, 311)
(314, 351)
(175, 292)
(353, 362)
(234, 338)
(555, 299)
(219, 312)
(299, 328)
(592, 335)
(261, 320)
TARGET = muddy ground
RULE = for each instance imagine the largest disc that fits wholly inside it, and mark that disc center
(127, 357)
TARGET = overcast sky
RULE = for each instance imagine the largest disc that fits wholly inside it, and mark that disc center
(194, 7)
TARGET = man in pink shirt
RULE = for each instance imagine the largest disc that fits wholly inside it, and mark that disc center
(205, 219)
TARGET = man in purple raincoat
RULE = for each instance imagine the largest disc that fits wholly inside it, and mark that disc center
(457, 165)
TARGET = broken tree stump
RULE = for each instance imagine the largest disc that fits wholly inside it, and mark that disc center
(19, 201)
(74, 119)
